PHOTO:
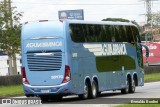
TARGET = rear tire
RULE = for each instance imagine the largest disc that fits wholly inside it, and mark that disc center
(85, 95)
(94, 90)
(126, 89)
(132, 86)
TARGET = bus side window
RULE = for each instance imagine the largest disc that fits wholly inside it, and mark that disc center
(116, 33)
(130, 35)
(113, 33)
(108, 32)
(124, 34)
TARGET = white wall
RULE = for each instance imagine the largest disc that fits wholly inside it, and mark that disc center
(4, 65)
(18, 57)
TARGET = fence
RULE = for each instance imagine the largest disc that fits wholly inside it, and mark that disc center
(152, 69)
(10, 80)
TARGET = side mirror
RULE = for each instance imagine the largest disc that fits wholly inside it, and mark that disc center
(147, 50)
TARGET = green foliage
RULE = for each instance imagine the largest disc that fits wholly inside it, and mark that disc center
(156, 18)
(9, 29)
(116, 19)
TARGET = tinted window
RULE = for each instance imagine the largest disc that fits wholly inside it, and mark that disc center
(114, 63)
(91, 33)
(102, 33)
(135, 34)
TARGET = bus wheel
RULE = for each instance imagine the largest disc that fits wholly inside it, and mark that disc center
(126, 89)
(94, 90)
(86, 92)
(132, 86)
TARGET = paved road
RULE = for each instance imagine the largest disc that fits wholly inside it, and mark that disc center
(106, 99)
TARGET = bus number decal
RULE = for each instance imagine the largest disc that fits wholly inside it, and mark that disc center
(57, 77)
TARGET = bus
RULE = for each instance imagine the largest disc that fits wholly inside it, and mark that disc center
(84, 58)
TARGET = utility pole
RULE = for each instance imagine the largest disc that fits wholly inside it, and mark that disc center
(149, 19)
(149, 9)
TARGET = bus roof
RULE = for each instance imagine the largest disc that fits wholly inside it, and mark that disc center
(87, 22)
(100, 22)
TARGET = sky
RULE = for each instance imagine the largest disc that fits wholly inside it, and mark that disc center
(94, 10)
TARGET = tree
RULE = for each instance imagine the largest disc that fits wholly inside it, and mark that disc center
(116, 19)
(10, 33)
(156, 18)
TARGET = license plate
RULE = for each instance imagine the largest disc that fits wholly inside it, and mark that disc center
(45, 91)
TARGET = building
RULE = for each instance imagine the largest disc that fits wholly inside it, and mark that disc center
(4, 66)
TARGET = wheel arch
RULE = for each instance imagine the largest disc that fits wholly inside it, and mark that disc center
(88, 80)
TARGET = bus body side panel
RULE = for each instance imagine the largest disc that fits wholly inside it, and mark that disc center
(84, 61)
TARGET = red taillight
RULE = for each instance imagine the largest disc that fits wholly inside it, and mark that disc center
(43, 20)
(61, 21)
(67, 75)
(25, 81)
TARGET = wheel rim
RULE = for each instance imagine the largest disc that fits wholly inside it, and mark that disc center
(133, 86)
(127, 88)
(86, 91)
(94, 90)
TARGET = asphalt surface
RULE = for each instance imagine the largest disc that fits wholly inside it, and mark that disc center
(149, 91)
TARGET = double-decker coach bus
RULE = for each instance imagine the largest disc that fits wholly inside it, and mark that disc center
(80, 57)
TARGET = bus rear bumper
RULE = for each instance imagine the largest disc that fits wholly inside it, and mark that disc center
(62, 89)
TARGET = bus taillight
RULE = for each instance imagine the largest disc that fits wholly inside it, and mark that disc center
(25, 81)
(67, 75)
(43, 20)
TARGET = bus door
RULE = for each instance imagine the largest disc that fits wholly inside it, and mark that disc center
(77, 72)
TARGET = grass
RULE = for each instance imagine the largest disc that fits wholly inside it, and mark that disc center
(11, 90)
(139, 105)
(152, 77)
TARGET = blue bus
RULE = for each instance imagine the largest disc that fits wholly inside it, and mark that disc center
(84, 58)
